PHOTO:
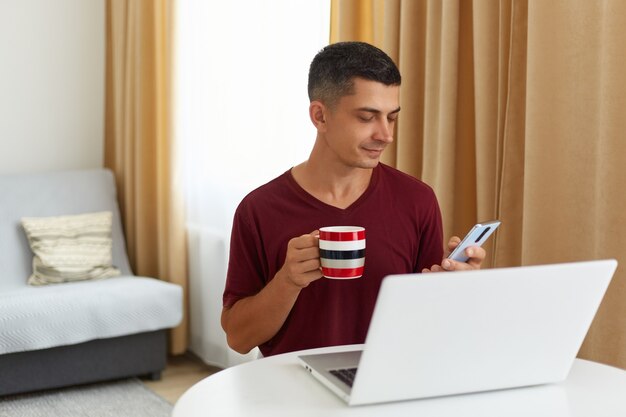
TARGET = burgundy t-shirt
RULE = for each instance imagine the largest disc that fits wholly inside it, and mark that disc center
(403, 229)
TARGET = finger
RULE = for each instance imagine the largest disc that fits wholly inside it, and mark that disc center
(476, 256)
(312, 275)
(298, 262)
(304, 279)
(295, 255)
(306, 254)
(303, 242)
(451, 265)
(302, 271)
(308, 266)
(453, 242)
(448, 265)
(476, 252)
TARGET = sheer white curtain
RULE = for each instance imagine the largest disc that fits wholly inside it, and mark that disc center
(242, 119)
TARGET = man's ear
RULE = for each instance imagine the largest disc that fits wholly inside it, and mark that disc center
(317, 113)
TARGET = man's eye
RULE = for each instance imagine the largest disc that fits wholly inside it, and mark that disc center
(392, 119)
(366, 119)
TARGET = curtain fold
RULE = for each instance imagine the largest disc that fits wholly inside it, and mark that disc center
(512, 109)
(139, 145)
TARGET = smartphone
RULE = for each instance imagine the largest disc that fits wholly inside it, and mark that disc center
(476, 237)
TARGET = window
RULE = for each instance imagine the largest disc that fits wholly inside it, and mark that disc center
(241, 119)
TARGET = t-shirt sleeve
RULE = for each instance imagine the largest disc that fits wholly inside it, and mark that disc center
(431, 239)
(245, 276)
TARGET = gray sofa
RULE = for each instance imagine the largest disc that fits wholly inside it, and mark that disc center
(80, 332)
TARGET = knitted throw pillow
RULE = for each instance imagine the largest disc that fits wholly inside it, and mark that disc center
(70, 248)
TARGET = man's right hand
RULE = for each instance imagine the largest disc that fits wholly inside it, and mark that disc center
(256, 319)
(302, 262)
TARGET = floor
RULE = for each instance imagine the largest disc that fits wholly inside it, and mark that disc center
(180, 374)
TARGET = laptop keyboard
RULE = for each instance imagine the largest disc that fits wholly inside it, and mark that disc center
(345, 375)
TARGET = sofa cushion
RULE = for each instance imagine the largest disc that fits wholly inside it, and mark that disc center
(70, 248)
(52, 194)
(33, 318)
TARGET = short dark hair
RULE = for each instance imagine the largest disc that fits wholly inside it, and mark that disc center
(332, 71)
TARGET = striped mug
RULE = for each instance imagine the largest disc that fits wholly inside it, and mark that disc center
(342, 251)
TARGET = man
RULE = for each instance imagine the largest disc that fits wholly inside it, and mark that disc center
(274, 297)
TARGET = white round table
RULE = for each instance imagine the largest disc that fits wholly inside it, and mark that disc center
(280, 386)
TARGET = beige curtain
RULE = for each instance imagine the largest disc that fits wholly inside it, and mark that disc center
(139, 146)
(514, 109)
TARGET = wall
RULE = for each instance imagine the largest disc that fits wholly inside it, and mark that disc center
(51, 85)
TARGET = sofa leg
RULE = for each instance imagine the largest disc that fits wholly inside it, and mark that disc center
(154, 376)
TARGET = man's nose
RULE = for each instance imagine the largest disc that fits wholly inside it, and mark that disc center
(384, 131)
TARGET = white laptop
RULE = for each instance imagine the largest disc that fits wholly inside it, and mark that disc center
(452, 333)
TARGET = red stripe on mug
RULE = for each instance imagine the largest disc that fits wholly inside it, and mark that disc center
(342, 272)
(342, 236)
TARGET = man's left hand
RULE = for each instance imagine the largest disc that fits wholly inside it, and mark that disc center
(476, 257)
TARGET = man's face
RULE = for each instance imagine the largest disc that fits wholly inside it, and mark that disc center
(361, 125)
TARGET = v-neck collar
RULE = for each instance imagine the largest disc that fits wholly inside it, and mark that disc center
(309, 198)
